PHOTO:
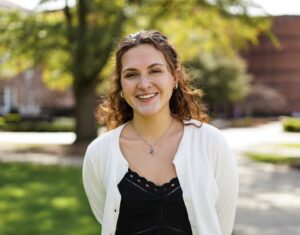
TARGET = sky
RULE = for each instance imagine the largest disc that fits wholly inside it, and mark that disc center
(32, 4)
(277, 7)
(271, 7)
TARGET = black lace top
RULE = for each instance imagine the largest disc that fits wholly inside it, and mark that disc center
(148, 209)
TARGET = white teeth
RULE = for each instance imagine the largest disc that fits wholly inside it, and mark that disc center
(146, 96)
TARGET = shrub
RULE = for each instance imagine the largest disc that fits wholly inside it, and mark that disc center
(58, 125)
(242, 122)
(291, 124)
(2, 122)
(12, 118)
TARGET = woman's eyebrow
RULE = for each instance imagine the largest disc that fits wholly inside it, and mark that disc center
(149, 67)
(155, 64)
(129, 69)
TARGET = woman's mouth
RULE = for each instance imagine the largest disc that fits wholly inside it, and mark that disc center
(147, 96)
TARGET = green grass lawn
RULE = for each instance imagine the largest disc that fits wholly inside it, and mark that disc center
(273, 158)
(43, 200)
(290, 145)
(287, 154)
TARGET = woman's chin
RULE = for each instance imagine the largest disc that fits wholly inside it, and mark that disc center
(151, 110)
(146, 112)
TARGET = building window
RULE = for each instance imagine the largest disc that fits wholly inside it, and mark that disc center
(2, 98)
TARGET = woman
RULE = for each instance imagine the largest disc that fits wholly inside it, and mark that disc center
(160, 169)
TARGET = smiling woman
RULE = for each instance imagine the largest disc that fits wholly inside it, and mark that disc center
(134, 64)
(147, 83)
(160, 170)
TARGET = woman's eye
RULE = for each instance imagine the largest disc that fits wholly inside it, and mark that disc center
(130, 75)
(155, 71)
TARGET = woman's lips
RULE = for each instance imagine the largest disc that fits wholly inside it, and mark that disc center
(147, 97)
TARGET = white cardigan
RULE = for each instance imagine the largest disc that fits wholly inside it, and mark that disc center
(205, 167)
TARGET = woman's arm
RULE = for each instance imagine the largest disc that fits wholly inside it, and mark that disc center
(92, 182)
(226, 174)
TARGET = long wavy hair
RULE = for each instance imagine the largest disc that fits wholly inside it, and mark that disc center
(185, 103)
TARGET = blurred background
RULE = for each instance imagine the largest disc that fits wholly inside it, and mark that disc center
(55, 61)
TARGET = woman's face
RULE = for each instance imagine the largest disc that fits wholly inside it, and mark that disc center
(147, 83)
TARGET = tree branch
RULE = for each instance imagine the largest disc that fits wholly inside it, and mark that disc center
(69, 19)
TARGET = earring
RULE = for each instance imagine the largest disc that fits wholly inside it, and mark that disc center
(121, 94)
(176, 86)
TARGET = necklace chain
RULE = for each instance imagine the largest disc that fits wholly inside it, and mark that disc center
(151, 150)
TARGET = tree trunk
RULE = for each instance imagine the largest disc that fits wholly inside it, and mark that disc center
(86, 125)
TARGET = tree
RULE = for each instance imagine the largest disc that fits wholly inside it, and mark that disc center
(73, 46)
(73, 43)
(223, 80)
(263, 100)
(210, 42)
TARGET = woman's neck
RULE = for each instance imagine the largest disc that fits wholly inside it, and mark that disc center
(152, 128)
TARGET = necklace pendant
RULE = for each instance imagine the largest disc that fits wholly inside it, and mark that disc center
(151, 150)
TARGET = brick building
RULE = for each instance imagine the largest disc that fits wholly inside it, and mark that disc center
(279, 68)
(28, 94)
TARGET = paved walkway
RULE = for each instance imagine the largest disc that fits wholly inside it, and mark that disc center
(269, 201)
(269, 198)
(41, 158)
(11, 140)
(36, 138)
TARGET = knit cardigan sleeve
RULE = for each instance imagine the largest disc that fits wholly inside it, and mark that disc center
(226, 174)
(92, 182)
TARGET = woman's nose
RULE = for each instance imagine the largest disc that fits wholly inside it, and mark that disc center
(144, 82)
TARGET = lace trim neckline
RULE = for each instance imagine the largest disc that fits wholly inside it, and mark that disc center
(142, 180)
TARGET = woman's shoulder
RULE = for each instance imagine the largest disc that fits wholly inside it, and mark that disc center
(104, 141)
(207, 136)
(202, 127)
(205, 133)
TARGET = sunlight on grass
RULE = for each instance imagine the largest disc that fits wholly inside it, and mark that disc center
(50, 200)
(65, 202)
(14, 192)
(273, 158)
(290, 145)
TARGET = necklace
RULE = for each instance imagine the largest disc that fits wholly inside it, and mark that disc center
(151, 150)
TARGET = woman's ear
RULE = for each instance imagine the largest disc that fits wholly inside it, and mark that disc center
(176, 76)
(176, 79)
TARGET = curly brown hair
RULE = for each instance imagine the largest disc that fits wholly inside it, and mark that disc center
(185, 103)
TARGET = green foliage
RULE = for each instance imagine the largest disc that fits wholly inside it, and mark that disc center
(2, 121)
(79, 40)
(291, 124)
(73, 46)
(59, 125)
(27, 39)
(223, 79)
(70, 45)
(201, 27)
(48, 200)
(209, 39)
(12, 118)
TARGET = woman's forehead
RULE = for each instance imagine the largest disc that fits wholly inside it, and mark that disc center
(142, 56)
